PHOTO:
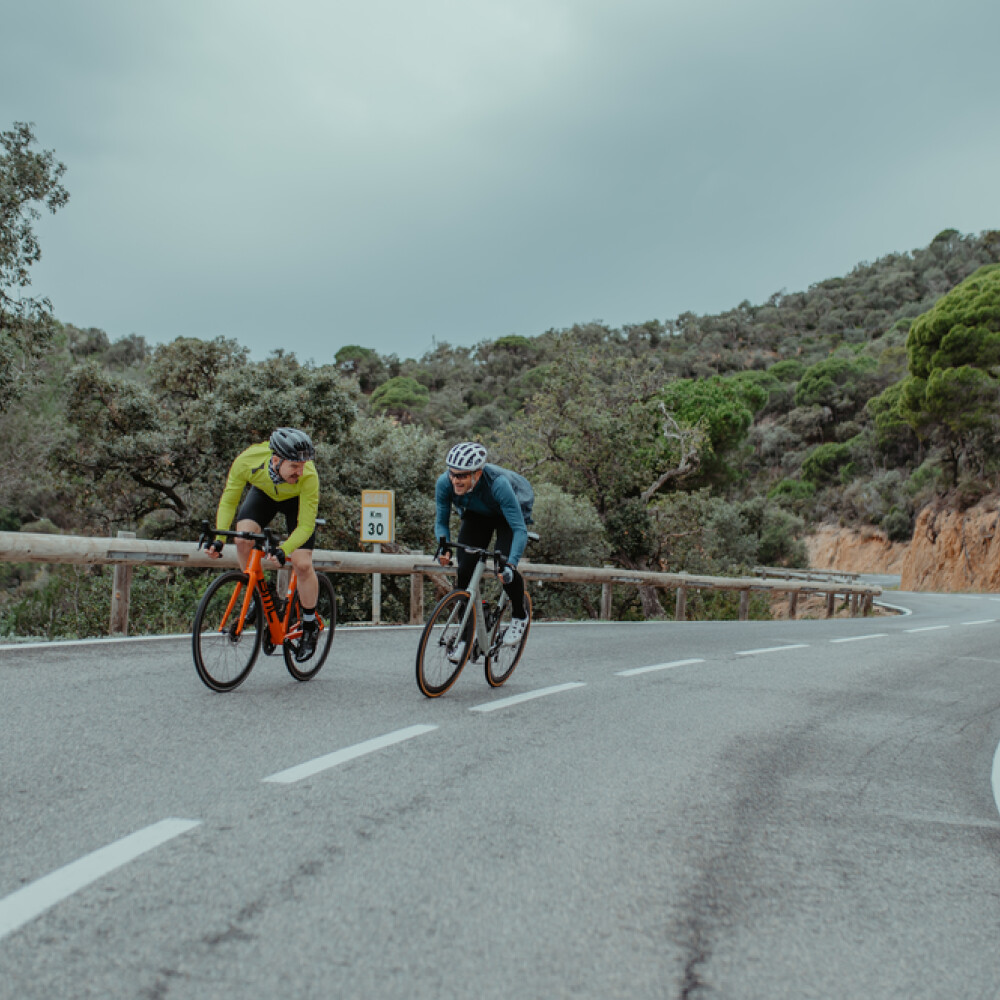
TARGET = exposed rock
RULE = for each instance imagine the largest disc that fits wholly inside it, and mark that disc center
(855, 551)
(950, 550)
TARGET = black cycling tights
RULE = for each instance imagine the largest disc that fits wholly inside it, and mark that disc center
(477, 530)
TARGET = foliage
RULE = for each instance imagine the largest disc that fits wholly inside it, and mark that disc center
(400, 397)
(27, 179)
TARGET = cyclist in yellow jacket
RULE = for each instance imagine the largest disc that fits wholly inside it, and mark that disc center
(282, 479)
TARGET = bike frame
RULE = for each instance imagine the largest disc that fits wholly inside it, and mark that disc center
(257, 583)
(475, 602)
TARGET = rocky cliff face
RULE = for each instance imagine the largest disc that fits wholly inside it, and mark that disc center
(950, 550)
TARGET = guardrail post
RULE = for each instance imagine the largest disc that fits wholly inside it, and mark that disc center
(793, 603)
(120, 591)
(680, 610)
(854, 605)
(744, 605)
(416, 598)
(606, 602)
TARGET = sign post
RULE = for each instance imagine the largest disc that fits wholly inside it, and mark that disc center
(378, 525)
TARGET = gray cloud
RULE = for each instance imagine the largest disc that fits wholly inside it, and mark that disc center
(386, 173)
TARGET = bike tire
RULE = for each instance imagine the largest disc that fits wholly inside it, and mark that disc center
(501, 660)
(436, 672)
(224, 655)
(326, 615)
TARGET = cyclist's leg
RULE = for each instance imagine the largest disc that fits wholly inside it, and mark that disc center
(255, 513)
(302, 557)
(514, 589)
(476, 530)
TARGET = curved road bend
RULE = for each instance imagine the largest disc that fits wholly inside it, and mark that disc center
(730, 810)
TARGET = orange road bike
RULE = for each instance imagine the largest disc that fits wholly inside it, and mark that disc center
(240, 612)
(462, 615)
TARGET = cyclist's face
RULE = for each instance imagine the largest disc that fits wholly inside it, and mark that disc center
(291, 472)
(462, 482)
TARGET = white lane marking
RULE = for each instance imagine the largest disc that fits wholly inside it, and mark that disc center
(995, 778)
(984, 621)
(656, 666)
(311, 767)
(859, 638)
(926, 628)
(33, 899)
(771, 649)
(516, 699)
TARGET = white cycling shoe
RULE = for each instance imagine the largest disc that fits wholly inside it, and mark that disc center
(457, 653)
(515, 631)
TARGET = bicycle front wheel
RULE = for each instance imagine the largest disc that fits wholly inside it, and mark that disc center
(442, 652)
(326, 616)
(501, 659)
(224, 654)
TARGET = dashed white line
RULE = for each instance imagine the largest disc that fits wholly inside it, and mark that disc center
(33, 899)
(927, 628)
(984, 621)
(771, 649)
(516, 699)
(634, 671)
(859, 638)
(311, 767)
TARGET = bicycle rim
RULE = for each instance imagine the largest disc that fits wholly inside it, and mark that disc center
(501, 660)
(224, 654)
(439, 643)
(326, 615)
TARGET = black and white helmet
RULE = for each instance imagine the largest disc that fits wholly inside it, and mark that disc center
(466, 457)
(292, 444)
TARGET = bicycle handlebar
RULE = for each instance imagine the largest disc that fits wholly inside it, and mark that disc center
(266, 540)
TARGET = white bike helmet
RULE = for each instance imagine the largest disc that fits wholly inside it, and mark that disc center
(466, 457)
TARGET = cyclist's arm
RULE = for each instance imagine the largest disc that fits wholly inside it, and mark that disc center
(503, 493)
(308, 507)
(442, 499)
(239, 476)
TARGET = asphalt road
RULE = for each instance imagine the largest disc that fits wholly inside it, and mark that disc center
(784, 809)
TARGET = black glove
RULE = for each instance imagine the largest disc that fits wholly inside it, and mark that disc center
(443, 549)
(216, 545)
(278, 554)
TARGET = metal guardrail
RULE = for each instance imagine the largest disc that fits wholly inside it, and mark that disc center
(125, 552)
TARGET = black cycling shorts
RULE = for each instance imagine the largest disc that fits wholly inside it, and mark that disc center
(258, 506)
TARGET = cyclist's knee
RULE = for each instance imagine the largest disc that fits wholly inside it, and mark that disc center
(302, 560)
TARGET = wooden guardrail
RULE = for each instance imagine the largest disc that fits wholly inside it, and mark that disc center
(125, 552)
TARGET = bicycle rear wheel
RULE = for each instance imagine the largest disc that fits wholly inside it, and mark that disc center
(442, 652)
(224, 654)
(326, 615)
(501, 659)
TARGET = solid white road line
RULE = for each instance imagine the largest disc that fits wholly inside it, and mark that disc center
(927, 628)
(516, 699)
(995, 778)
(771, 649)
(859, 638)
(31, 900)
(311, 767)
(656, 666)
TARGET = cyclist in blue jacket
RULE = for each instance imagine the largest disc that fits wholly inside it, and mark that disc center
(489, 499)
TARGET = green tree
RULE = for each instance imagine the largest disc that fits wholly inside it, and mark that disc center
(27, 179)
(401, 397)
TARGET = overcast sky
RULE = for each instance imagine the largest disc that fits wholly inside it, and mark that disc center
(392, 173)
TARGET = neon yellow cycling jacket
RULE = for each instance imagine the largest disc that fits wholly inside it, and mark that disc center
(250, 467)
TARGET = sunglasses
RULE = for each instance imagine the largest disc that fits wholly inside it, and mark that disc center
(459, 475)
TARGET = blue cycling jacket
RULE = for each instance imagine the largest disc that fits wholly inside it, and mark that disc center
(499, 493)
